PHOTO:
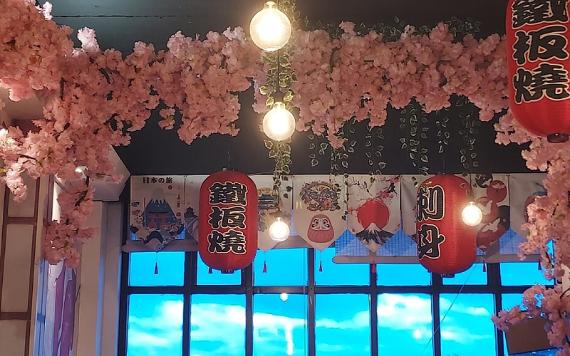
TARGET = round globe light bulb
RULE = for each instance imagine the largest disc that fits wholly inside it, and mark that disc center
(270, 29)
(279, 123)
(284, 297)
(80, 169)
(472, 214)
(279, 230)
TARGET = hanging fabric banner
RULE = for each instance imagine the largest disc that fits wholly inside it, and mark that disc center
(157, 209)
(319, 209)
(524, 189)
(491, 194)
(269, 205)
(59, 319)
(373, 208)
(192, 205)
(408, 201)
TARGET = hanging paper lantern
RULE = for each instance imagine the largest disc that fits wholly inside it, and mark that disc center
(538, 60)
(228, 221)
(445, 244)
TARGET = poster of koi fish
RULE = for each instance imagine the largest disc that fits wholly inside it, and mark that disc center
(319, 208)
(373, 208)
(491, 195)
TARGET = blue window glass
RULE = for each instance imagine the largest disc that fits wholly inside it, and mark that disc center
(402, 275)
(474, 275)
(168, 265)
(466, 326)
(342, 324)
(522, 273)
(284, 267)
(405, 324)
(217, 325)
(154, 325)
(215, 277)
(338, 273)
(279, 324)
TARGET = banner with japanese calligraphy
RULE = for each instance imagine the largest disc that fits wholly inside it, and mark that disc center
(373, 208)
(319, 209)
(269, 205)
(315, 207)
(491, 194)
(192, 186)
(157, 209)
(228, 221)
(538, 61)
(409, 194)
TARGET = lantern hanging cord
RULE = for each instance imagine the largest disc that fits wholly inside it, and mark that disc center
(448, 310)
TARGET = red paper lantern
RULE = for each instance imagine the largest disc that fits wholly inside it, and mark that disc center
(538, 58)
(446, 245)
(228, 221)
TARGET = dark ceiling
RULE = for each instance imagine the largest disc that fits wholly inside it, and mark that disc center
(119, 23)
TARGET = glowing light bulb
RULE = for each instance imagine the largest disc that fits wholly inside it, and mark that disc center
(80, 169)
(284, 297)
(270, 29)
(279, 230)
(472, 214)
(279, 123)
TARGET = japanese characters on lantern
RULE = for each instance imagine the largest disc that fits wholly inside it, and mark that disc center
(228, 221)
(445, 244)
(538, 57)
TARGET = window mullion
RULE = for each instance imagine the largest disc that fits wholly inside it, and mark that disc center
(311, 302)
(247, 282)
(373, 311)
(436, 282)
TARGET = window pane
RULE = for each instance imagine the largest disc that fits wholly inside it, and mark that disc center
(216, 277)
(404, 319)
(217, 325)
(169, 265)
(339, 273)
(285, 267)
(467, 328)
(402, 275)
(474, 275)
(522, 273)
(342, 324)
(154, 325)
(279, 324)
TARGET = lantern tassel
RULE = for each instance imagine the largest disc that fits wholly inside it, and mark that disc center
(155, 268)
(539, 266)
(320, 266)
(484, 267)
(210, 270)
(264, 267)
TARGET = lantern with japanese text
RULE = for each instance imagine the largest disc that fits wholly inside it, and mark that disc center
(228, 221)
(538, 60)
(445, 244)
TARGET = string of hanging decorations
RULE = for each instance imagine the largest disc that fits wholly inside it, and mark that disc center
(93, 98)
